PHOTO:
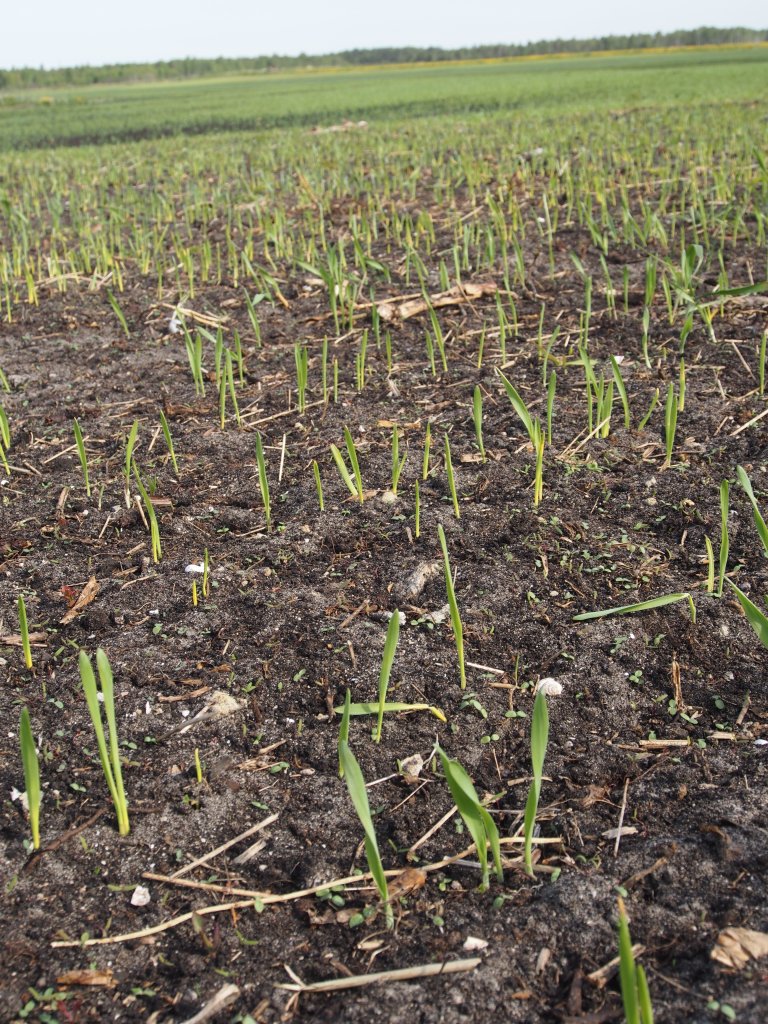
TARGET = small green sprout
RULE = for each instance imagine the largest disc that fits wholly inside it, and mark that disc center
(670, 425)
(458, 630)
(427, 447)
(318, 485)
(82, 455)
(169, 441)
(263, 482)
(635, 994)
(480, 824)
(154, 529)
(24, 633)
(451, 478)
(477, 417)
(539, 740)
(110, 757)
(640, 606)
(31, 775)
(760, 524)
(724, 542)
(757, 619)
(355, 486)
(398, 464)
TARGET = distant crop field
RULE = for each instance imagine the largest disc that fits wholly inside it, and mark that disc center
(114, 113)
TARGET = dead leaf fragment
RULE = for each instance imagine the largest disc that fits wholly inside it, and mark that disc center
(87, 594)
(389, 311)
(736, 946)
(406, 882)
(99, 979)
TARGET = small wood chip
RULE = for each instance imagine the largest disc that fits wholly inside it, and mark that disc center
(735, 947)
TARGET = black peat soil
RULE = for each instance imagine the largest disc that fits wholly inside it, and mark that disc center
(658, 727)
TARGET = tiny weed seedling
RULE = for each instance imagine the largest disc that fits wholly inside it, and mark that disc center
(263, 483)
(480, 824)
(390, 646)
(82, 455)
(635, 994)
(458, 631)
(31, 775)
(109, 756)
(24, 633)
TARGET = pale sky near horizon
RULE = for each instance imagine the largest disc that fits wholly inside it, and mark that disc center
(62, 33)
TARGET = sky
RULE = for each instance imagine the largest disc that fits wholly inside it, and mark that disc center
(62, 33)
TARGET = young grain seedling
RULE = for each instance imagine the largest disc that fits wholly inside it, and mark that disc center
(109, 756)
(640, 606)
(301, 358)
(760, 524)
(621, 389)
(635, 994)
(451, 478)
(359, 795)
(390, 646)
(757, 619)
(477, 417)
(670, 425)
(169, 441)
(427, 448)
(318, 485)
(458, 631)
(31, 776)
(480, 824)
(539, 740)
(520, 408)
(397, 463)
(154, 529)
(82, 455)
(5, 439)
(724, 542)
(355, 486)
(263, 483)
(417, 509)
(130, 444)
(24, 633)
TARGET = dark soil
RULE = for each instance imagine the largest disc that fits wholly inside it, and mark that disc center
(298, 614)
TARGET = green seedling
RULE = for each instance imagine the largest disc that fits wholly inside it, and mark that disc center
(458, 630)
(154, 529)
(398, 464)
(130, 444)
(551, 389)
(539, 740)
(519, 406)
(118, 312)
(760, 525)
(427, 447)
(670, 425)
(757, 619)
(355, 486)
(635, 994)
(250, 305)
(480, 824)
(31, 775)
(451, 478)
(109, 756)
(318, 485)
(710, 565)
(417, 509)
(620, 387)
(230, 375)
(5, 439)
(390, 646)
(761, 364)
(206, 582)
(724, 542)
(477, 418)
(263, 482)
(654, 402)
(640, 606)
(24, 633)
(359, 796)
(301, 358)
(169, 441)
(390, 707)
(681, 386)
(82, 455)
(538, 447)
(346, 711)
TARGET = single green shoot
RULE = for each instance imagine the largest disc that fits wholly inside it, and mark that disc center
(31, 775)
(118, 312)
(154, 529)
(640, 606)
(621, 388)
(551, 390)
(724, 541)
(417, 509)
(635, 994)
(109, 755)
(761, 364)
(451, 478)
(301, 358)
(390, 646)
(263, 482)
(206, 582)
(670, 425)
(654, 402)
(359, 796)
(82, 455)
(318, 485)
(539, 740)
(458, 629)
(169, 441)
(477, 418)
(519, 406)
(24, 633)
(355, 486)
(390, 707)
(710, 565)
(230, 375)
(757, 619)
(130, 444)
(398, 464)
(760, 524)
(427, 448)
(479, 822)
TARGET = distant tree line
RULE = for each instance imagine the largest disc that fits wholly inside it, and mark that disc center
(196, 67)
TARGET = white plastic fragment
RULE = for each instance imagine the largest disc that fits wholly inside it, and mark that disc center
(140, 896)
(198, 567)
(473, 944)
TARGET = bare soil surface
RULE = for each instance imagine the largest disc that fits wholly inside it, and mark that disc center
(655, 731)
